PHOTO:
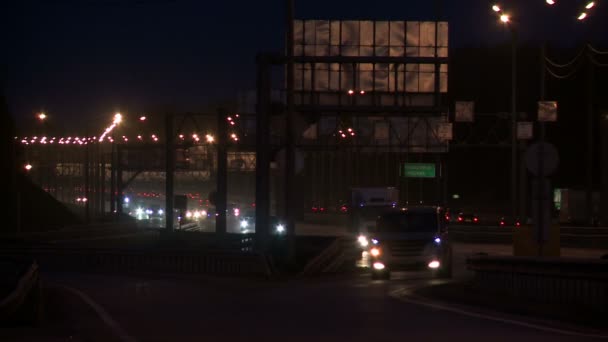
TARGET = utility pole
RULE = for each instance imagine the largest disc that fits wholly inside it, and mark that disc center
(169, 172)
(589, 178)
(513, 121)
(290, 148)
(262, 165)
(222, 174)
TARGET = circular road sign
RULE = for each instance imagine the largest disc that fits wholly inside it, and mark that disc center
(545, 152)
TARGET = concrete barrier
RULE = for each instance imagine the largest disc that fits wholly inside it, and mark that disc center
(147, 261)
(23, 303)
(579, 283)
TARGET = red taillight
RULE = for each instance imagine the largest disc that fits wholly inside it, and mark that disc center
(314, 209)
(502, 223)
(322, 209)
(517, 224)
(460, 219)
(475, 219)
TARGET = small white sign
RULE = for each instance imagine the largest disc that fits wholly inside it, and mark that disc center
(525, 130)
(547, 111)
(464, 111)
(444, 131)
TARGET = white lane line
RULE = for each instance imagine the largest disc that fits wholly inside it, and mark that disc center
(404, 297)
(105, 317)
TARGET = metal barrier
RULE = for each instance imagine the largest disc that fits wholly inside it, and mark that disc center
(157, 261)
(581, 237)
(579, 283)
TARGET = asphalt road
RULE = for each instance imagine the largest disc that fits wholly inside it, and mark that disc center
(347, 308)
(352, 307)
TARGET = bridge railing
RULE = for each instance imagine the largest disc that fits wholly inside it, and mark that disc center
(579, 283)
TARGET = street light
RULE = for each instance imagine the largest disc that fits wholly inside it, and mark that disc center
(41, 116)
(28, 167)
(505, 18)
(117, 118)
(210, 138)
(582, 16)
(550, 2)
(590, 5)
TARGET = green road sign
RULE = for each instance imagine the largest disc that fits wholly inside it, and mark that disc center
(418, 170)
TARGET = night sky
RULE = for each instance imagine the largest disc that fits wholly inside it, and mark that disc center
(83, 60)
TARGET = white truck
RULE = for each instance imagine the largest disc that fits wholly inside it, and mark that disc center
(367, 204)
(572, 206)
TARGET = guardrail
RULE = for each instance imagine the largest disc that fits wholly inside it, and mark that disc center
(98, 229)
(580, 283)
(584, 237)
(23, 302)
(153, 261)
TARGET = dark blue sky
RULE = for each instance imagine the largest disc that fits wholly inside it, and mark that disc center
(88, 58)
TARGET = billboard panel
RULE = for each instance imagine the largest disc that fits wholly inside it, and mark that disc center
(365, 38)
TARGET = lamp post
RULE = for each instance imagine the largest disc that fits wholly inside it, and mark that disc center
(505, 18)
(116, 121)
(581, 16)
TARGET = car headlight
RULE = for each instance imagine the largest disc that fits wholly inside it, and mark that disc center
(437, 240)
(363, 241)
(244, 224)
(280, 228)
(375, 242)
(161, 212)
(434, 264)
(188, 214)
(375, 251)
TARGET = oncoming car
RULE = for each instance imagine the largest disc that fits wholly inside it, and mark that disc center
(411, 238)
(247, 225)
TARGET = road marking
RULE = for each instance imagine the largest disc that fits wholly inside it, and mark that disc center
(105, 317)
(402, 295)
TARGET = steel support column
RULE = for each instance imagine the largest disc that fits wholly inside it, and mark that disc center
(169, 172)
(222, 173)
(262, 166)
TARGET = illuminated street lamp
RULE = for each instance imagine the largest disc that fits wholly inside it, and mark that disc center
(210, 138)
(117, 118)
(41, 116)
(582, 16)
(505, 18)
(142, 118)
(28, 167)
(590, 5)
(550, 2)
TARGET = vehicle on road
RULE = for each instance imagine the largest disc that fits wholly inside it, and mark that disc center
(367, 204)
(508, 221)
(467, 218)
(247, 224)
(414, 237)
